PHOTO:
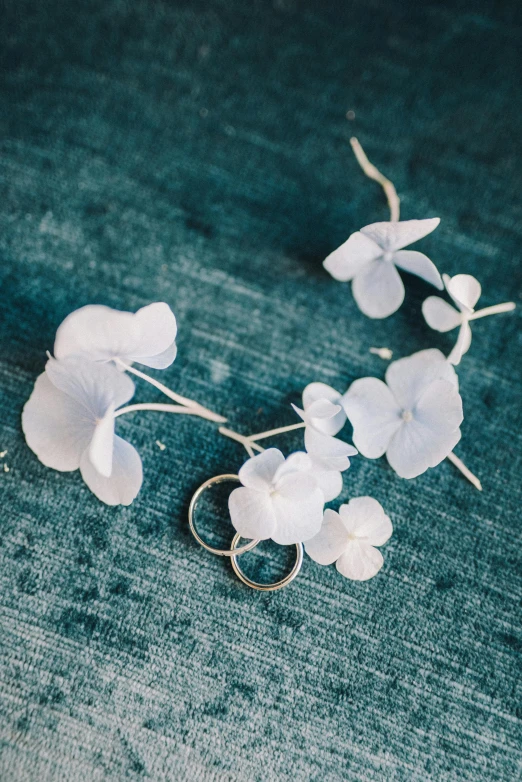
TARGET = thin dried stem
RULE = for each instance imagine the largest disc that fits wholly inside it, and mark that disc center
(163, 408)
(272, 432)
(240, 438)
(459, 464)
(209, 415)
(496, 309)
(373, 173)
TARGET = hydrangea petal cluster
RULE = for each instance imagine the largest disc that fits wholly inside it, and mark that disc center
(370, 257)
(100, 333)
(465, 291)
(349, 538)
(413, 417)
(68, 422)
(279, 499)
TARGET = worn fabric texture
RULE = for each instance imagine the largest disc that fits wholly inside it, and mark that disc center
(197, 153)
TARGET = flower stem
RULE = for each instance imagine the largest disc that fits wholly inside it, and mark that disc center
(372, 172)
(163, 408)
(459, 464)
(280, 430)
(239, 438)
(496, 309)
(202, 411)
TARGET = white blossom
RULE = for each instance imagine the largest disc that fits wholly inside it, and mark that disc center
(369, 258)
(68, 422)
(279, 499)
(349, 538)
(100, 333)
(414, 417)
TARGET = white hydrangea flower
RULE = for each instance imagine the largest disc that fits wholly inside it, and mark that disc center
(324, 417)
(414, 417)
(100, 333)
(349, 538)
(465, 291)
(68, 422)
(279, 499)
(370, 256)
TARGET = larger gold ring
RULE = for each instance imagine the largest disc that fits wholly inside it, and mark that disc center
(254, 584)
(192, 507)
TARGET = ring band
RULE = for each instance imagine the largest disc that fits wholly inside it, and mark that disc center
(192, 507)
(254, 584)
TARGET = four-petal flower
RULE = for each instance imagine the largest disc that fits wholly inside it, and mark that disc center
(279, 499)
(369, 258)
(465, 291)
(414, 417)
(349, 538)
(100, 333)
(68, 422)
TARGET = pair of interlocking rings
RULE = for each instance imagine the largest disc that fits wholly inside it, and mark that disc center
(235, 550)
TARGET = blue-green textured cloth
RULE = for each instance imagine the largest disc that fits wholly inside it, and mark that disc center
(197, 153)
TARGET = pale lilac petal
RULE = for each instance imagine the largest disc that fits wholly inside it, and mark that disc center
(360, 561)
(55, 426)
(156, 335)
(409, 377)
(394, 236)
(319, 444)
(330, 542)
(96, 332)
(295, 487)
(94, 386)
(330, 482)
(465, 290)
(374, 415)
(332, 463)
(440, 407)
(251, 513)
(378, 290)
(419, 264)
(351, 257)
(325, 416)
(162, 360)
(462, 344)
(297, 521)
(365, 518)
(126, 477)
(102, 444)
(440, 315)
(297, 462)
(315, 391)
(259, 471)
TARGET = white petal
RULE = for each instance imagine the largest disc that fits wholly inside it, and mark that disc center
(162, 360)
(462, 344)
(297, 462)
(365, 518)
(378, 289)
(97, 332)
(332, 463)
(440, 315)
(417, 263)
(360, 561)
(259, 471)
(319, 444)
(94, 386)
(126, 477)
(55, 427)
(351, 257)
(394, 236)
(325, 416)
(315, 391)
(330, 542)
(157, 332)
(295, 487)
(433, 433)
(102, 444)
(374, 415)
(330, 482)
(409, 377)
(465, 290)
(251, 513)
(297, 521)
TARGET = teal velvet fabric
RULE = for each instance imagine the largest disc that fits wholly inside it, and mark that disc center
(197, 153)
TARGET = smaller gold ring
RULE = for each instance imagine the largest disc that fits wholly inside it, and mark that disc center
(264, 587)
(192, 507)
